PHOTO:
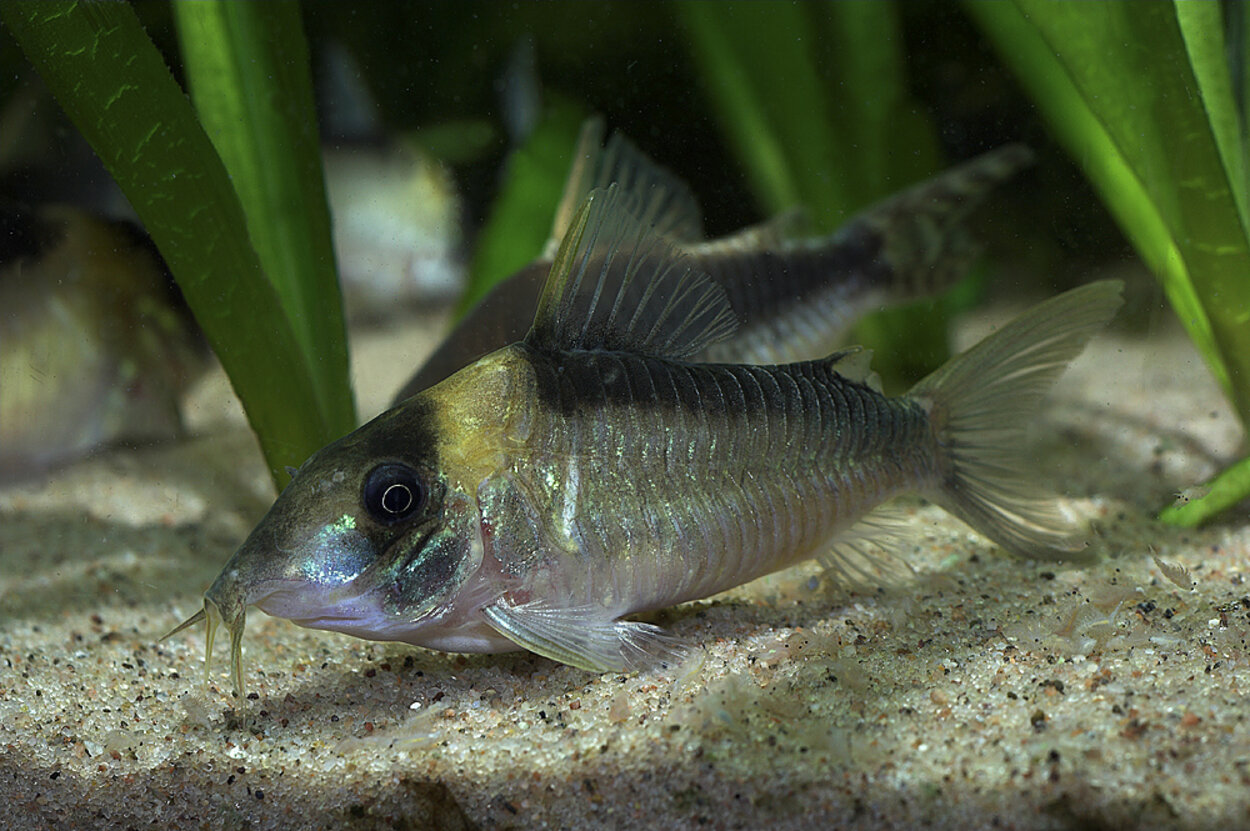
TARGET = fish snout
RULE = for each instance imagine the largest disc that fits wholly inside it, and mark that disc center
(226, 601)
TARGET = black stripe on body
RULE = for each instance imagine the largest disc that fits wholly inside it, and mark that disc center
(579, 382)
(795, 303)
(798, 399)
(765, 285)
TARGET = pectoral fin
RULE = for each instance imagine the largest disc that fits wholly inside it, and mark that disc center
(585, 637)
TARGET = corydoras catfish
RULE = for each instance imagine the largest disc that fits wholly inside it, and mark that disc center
(97, 345)
(794, 297)
(536, 498)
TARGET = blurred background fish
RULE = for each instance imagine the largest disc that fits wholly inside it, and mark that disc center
(96, 345)
(396, 221)
(795, 295)
(395, 209)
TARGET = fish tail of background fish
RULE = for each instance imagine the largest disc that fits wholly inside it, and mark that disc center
(979, 403)
(796, 297)
(925, 242)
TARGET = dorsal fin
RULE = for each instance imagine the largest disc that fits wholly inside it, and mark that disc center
(855, 364)
(616, 285)
(665, 202)
(581, 181)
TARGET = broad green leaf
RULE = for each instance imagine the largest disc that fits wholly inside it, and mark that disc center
(1202, 30)
(1115, 84)
(110, 79)
(1141, 97)
(248, 70)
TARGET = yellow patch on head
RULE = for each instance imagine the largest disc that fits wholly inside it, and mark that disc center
(484, 415)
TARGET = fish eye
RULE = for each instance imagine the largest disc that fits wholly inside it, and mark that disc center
(393, 492)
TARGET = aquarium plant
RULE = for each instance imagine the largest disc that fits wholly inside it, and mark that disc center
(229, 189)
(1150, 101)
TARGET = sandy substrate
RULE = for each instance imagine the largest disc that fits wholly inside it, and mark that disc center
(988, 693)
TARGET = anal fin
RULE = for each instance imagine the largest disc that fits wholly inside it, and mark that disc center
(586, 637)
(869, 555)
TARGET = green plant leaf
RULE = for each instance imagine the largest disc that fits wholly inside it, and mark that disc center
(814, 101)
(248, 70)
(104, 71)
(1140, 96)
(1115, 84)
(1202, 30)
(761, 75)
(1221, 493)
(521, 215)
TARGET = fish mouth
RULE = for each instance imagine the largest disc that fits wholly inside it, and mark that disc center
(212, 615)
(363, 607)
(244, 581)
(226, 603)
(358, 606)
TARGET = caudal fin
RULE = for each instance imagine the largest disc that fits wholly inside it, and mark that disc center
(979, 403)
